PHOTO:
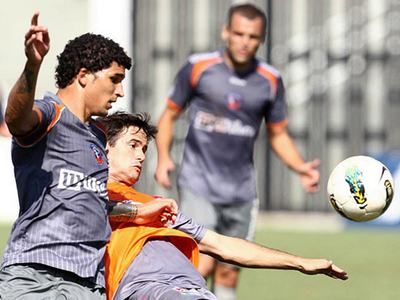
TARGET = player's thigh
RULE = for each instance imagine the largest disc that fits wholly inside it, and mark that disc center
(198, 208)
(23, 282)
(238, 220)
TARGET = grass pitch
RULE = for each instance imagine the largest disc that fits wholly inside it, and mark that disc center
(371, 258)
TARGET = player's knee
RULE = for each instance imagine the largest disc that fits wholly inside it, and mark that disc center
(226, 276)
(206, 265)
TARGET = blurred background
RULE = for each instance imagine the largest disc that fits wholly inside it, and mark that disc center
(340, 62)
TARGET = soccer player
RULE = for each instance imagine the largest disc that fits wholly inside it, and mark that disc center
(229, 93)
(57, 244)
(152, 262)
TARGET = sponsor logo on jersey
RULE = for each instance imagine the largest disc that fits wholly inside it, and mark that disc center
(237, 81)
(234, 100)
(97, 154)
(77, 181)
(211, 123)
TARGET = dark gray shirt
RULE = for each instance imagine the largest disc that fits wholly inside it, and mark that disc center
(226, 111)
(61, 174)
(160, 261)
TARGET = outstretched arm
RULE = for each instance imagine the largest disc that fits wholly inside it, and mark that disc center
(247, 254)
(284, 146)
(21, 116)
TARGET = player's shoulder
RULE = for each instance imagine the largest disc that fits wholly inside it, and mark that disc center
(214, 56)
(266, 70)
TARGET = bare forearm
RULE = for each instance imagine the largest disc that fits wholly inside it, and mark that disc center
(165, 136)
(247, 254)
(122, 211)
(19, 114)
(284, 146)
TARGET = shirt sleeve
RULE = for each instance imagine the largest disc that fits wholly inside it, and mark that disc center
(277, 112)
(188, 226)
(46, 112)
(182, 88)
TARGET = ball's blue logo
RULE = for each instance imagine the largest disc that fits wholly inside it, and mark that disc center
(353, 178)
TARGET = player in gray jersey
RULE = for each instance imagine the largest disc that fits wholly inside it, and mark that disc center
(57, 243)
(161, 269)
(229, 94)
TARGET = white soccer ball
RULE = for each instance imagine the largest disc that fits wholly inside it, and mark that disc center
(360, 188)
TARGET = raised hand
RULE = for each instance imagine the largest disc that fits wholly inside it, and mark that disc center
(37, 41)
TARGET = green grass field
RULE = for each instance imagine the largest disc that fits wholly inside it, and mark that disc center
(371, 258)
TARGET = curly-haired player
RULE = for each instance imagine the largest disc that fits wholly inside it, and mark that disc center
(57, 244)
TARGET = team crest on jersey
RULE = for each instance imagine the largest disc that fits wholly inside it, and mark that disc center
(234, 100)
(97, 154)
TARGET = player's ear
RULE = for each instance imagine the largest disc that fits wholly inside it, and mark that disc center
(225, 33)
(82, 77)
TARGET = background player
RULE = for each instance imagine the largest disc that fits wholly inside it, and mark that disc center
(229, 92)
(149, 262)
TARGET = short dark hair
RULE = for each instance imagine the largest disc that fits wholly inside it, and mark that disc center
(250, 11)
(91, 51)
(117, 122)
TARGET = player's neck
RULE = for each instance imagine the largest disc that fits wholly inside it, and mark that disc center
(72, 99)
(236, 67)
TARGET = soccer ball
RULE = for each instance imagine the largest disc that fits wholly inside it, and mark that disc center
(360, 188)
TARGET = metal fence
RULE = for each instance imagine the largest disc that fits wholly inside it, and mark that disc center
(340, 63)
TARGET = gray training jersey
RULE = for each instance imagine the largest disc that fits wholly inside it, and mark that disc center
(160, 261)
(226, 110)
(61, 173)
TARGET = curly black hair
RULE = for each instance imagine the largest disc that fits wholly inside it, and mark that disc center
(91, 51)
(117, 122)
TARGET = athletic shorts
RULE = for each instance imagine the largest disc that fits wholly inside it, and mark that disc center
(162, 291)
(237, 220)
(35, 281)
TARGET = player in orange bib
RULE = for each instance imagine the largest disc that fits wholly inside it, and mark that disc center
(158, 261)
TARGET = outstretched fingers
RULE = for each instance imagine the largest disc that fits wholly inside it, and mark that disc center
(336, 272)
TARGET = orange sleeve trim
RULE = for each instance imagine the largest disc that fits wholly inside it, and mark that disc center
(280, 124)
(200, 67)
(172, 105)
(272, 78)
(59, 109)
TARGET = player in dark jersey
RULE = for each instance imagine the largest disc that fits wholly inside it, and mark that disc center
(57, 244)
(149, 262)
(229, 94)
